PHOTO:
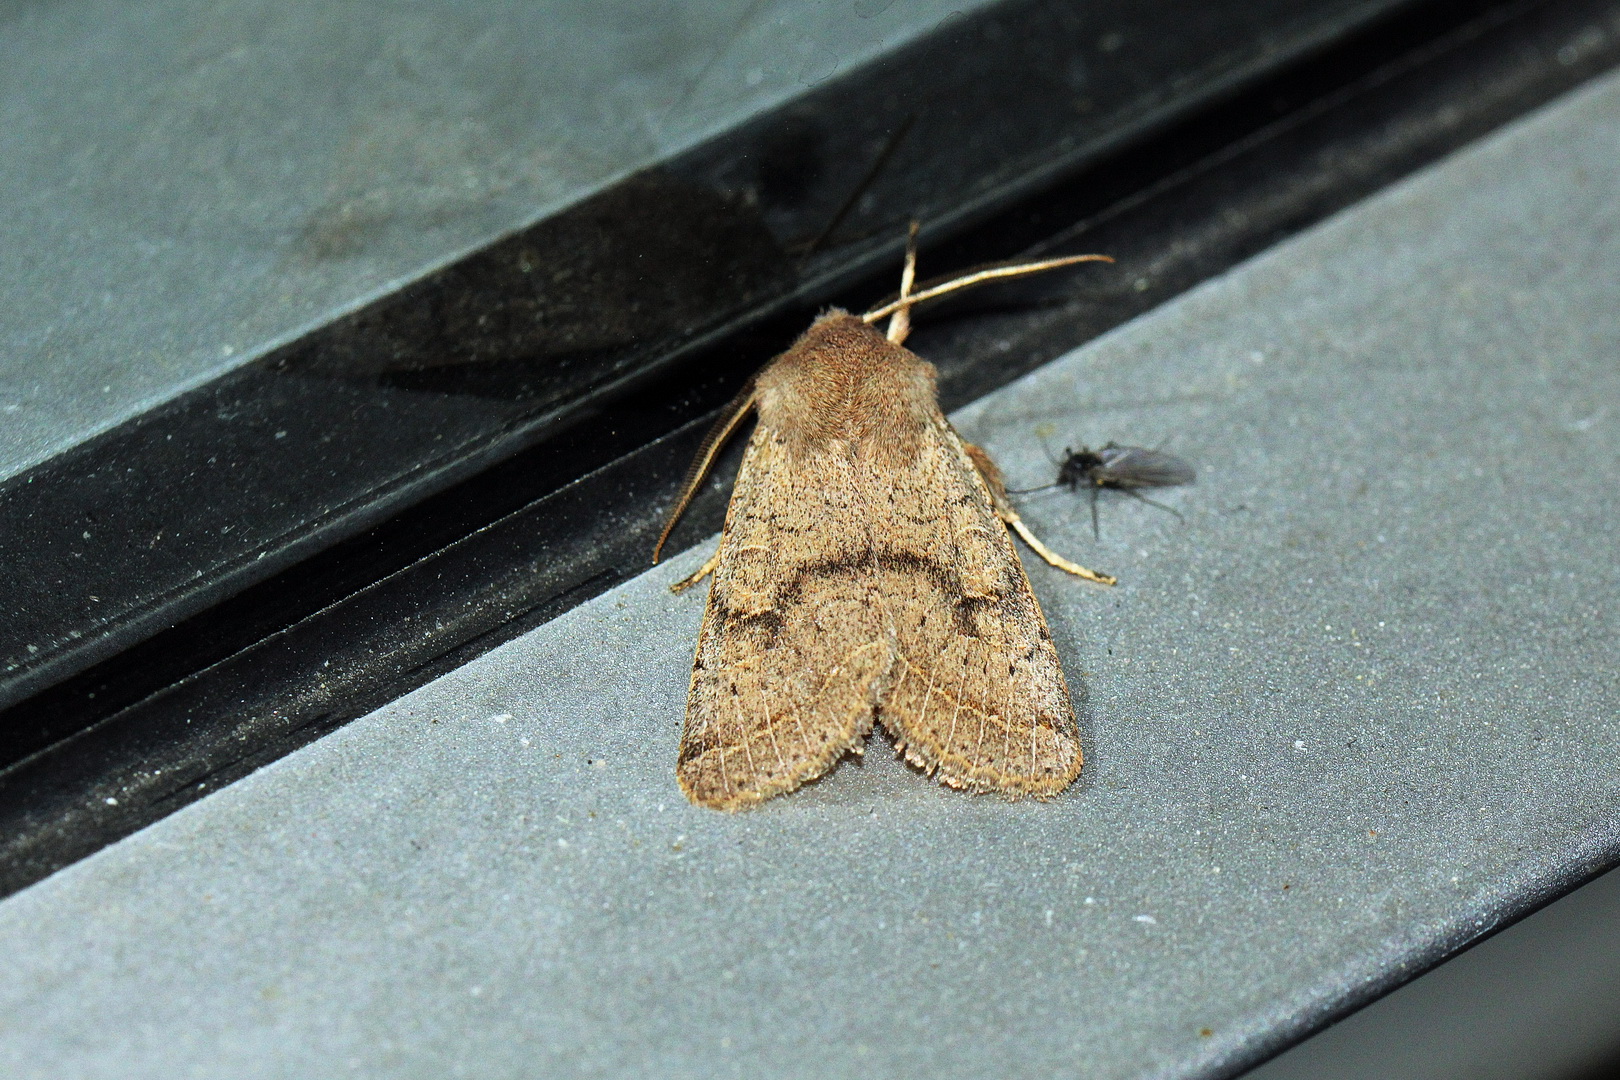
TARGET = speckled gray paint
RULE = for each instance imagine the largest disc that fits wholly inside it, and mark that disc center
(1536, 1002)
(1356, 705)
(185, 184)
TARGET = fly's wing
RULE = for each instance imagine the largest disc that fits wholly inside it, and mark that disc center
(977, 697)
(795, 648)
(1134, 466)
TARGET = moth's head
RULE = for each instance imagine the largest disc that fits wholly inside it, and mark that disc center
(844, 380)
(837, 347)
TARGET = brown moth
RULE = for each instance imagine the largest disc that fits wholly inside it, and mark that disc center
(865, 573)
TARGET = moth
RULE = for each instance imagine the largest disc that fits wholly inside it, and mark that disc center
(865, 575)
(1119, 468)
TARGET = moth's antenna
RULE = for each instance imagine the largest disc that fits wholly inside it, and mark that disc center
(978, 277)
(730, 417)
(900, 321)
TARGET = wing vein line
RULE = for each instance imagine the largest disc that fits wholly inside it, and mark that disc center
(984, 697)
(770, 729)
(742, 732)
(960, 690)
(922, 716)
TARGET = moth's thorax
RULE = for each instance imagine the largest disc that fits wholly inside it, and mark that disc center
(844, 383)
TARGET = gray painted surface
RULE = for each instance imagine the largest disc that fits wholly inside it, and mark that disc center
(185, 184)
(1354, 707)
(1540, 1001)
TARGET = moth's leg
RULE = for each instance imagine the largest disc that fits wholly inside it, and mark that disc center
(702, 572)
(1053, 557)
(1004, 510)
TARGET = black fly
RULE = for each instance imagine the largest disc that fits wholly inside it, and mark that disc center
(1120, 468)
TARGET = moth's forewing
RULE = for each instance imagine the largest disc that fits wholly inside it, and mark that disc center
(980, 699)
(791, 656)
